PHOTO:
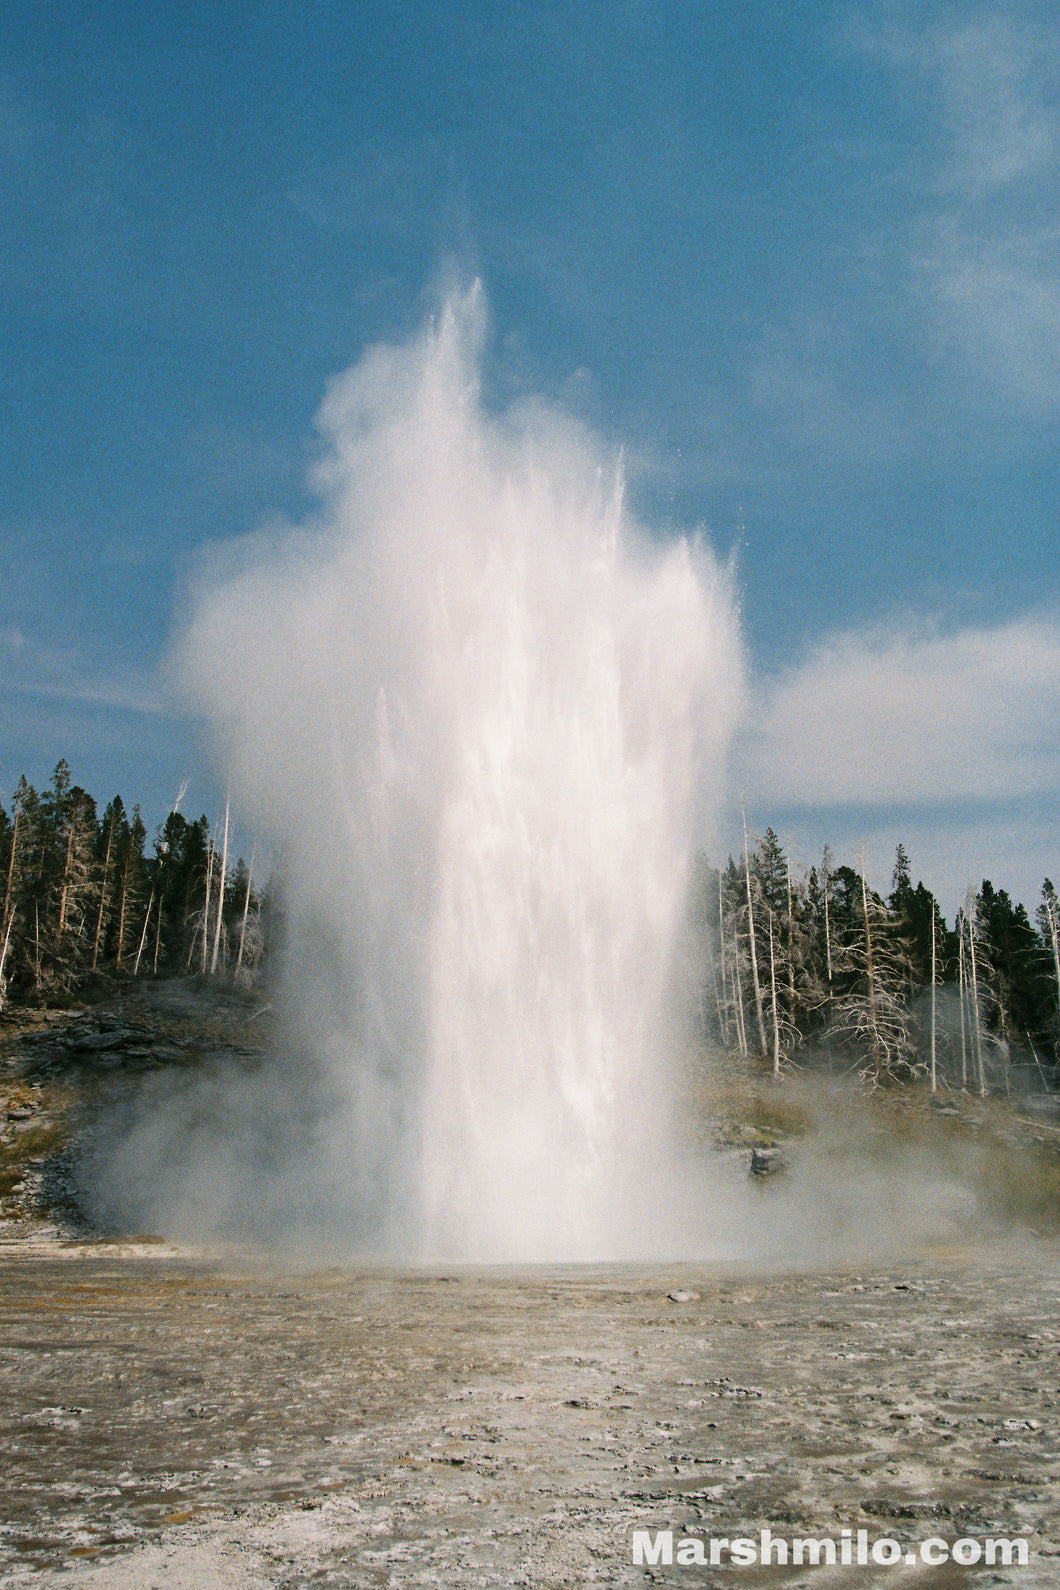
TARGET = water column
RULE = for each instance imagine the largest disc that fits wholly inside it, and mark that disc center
(515, 706)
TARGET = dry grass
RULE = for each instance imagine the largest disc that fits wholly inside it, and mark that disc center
(39, 1140)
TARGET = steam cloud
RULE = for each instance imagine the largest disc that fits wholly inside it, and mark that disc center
(482, 719)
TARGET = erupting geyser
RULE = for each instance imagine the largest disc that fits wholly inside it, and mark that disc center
(482, 719)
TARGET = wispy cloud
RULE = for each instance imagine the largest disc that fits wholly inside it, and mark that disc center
(66, 675)
(997, 78)
(986, 82)
(999, 300)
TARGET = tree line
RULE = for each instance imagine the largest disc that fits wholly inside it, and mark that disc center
(792, 966)
(815, 967)
(82, 893)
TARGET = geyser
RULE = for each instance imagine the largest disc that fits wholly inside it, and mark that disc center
(482, 718)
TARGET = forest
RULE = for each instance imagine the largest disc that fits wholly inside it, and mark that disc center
(788, 967)
(83, 896)
(815, 968)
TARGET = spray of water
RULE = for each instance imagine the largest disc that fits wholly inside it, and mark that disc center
(483, 719)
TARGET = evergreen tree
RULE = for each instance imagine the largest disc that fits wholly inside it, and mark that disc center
(112, 830)
(901, 881)
(734, 972)
(60, 887)
(767, 886)
(976, 983)
(19, 850)
(1021, 970)
(130, 889)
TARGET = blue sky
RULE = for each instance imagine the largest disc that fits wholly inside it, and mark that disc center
(802, 262)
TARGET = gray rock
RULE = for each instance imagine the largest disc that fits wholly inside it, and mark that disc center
(767, 1161)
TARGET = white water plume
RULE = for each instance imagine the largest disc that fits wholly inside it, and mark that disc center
(483, 718)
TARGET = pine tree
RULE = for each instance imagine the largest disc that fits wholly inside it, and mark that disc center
(20, 848)
(131, 874)
(1021, 987)
(111, 830)
(732, 911)
(63, 882)
(819, 950)
(767, 883)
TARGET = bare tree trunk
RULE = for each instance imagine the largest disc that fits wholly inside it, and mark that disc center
(773, 989)
(934, 1074)
(963, 994)
(143, 935)
(791, 942)
(9, 888)
(977, 1022)
(246, 910)
(220, 894)
(123, 911)
(1050, 911)
(103, 895)
(158, 940)
(183, 790)
(717, 988)
(870, 977)
(763, 1046)
(3, 958)
(9, 908)
(737, 1005)
(206, 904)
(68, 860)
(827, 927)
(1038, 1063)
(723, 1019)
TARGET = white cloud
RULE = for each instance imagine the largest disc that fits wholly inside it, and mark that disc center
(947, 741)
(909, 713)
(996, 79)
(996, 264)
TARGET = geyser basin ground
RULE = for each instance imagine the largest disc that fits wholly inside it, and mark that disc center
(193, 1423)
(199, 1425)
